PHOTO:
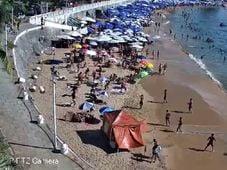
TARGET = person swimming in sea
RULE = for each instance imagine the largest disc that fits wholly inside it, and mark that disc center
(202, 56)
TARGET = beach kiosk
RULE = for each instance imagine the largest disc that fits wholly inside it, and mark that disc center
(122, 129)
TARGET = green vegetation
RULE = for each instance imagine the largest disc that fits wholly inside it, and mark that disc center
(5, 157)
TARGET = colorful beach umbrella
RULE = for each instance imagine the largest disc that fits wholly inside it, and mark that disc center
(144, 62)
(77, 46)
(149, 65)
(105, 109)
(142, 74)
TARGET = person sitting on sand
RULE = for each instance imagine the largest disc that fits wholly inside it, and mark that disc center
(211, 140)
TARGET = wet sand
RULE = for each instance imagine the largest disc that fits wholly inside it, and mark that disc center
(184, 80)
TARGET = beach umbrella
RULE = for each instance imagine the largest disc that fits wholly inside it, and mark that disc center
(91, 53)
(86, 30)
(137, 46)
(105, 109)
(86, 106)
(89, 19)
(142, 74)
(77, 46)
(83, 22)
(149, 65)
(65, 37)
(149, 70)
(141, 57)
(144, 62)
(74, 34)
(103, 38)
(93, 43)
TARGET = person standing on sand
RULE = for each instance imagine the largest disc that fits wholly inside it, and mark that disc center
(190, 105)
(179, 125)
(160, 69)
(156, 149)
(164, 68)
(165, 96)
(141, 101)
(167, 118)
(211, 140)
(74, 95)
(158, 55)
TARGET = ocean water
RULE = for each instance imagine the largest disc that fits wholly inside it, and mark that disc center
(207, 39)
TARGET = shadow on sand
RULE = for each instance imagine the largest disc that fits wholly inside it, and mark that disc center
(130, 107)
(30, 146)
(157, 102)
(179, 111)
(155, 124)
(196, 149)
(96, 138)
(140, 157)
(167, 130)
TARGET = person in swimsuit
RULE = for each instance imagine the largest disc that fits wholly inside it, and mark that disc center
(211, 140)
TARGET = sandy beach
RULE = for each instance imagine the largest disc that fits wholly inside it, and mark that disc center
(183, 80)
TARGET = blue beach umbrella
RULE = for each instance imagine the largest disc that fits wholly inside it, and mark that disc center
(105, 109)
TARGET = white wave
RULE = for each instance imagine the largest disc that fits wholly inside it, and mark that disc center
(191, 46)
(203, 66)
(156, 37)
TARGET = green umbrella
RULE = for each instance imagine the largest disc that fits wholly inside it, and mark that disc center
(142, 74)
(149, 70)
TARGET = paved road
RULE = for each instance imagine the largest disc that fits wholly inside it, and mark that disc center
(26, 139)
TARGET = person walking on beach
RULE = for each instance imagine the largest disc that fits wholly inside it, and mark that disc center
(190, 105)
(167, 118)
(156, 149)
(179, 125)
(160, 69)
(141, 101)
(164, 68)
(165, 96)
(211, 140)
(158, 55)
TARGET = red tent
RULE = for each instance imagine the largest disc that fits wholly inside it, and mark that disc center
(122, 127)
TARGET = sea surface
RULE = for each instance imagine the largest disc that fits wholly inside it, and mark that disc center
(202, 32)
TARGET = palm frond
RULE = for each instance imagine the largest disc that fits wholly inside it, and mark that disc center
(6, 62)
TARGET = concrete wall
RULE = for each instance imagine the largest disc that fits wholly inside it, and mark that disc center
(29, 45)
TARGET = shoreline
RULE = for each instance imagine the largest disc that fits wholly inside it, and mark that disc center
(216, 122)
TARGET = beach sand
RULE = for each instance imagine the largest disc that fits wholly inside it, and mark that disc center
(183, 80)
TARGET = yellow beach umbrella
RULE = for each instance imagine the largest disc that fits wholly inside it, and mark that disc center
(149, 65)
(77, 46)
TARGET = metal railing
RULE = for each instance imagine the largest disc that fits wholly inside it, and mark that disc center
(61, 15)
